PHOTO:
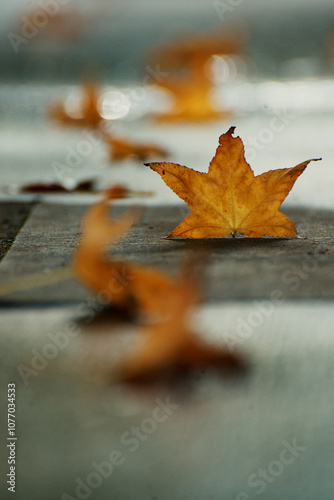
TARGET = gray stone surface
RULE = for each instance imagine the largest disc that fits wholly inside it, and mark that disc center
(238, 268)
(12, 217)
(222, 431)
(211, 445)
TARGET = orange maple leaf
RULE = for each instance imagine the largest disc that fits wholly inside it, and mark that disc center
(230, 199)
(192, 87)
(87, 113)
(192, 99)
(118, 191)
(170, 345)
(121, 149)
(79, 186)
(183, 52)
(125, 282)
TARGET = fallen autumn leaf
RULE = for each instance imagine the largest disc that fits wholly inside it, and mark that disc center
(230, 199)
(164, 302)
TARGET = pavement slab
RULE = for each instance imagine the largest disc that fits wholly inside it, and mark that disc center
(212, 435)
(12, 218)
(237, 268)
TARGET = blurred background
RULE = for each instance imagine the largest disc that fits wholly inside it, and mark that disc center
(286, 39)
(175, 73)
(251, 60)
